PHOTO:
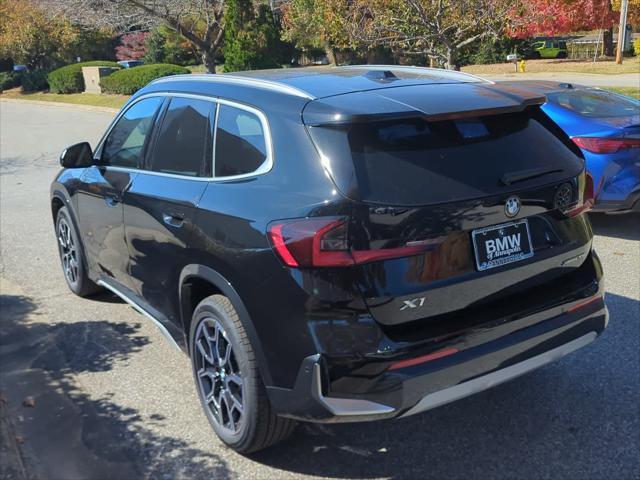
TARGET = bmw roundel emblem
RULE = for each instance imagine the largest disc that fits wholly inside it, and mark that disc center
(512, 206)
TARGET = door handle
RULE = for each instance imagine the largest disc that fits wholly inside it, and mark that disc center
(173, 219)
(112, 200)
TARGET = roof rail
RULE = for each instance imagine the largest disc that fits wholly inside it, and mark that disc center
(239, 80)
(417, 70)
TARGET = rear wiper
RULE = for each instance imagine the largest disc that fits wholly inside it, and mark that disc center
(510, 178)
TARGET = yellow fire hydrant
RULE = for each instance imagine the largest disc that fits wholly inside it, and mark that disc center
(522, 65)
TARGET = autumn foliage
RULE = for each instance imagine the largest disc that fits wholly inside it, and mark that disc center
(555, 17)
(132, 46)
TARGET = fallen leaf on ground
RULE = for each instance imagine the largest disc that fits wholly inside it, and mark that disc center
(29, 402)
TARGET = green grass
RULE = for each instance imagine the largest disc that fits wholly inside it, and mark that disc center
(94, 99)
(629, 91)
(605, 67)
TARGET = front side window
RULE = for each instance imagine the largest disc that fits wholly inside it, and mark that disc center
(124, 146)
(185, 142)
(241, 147)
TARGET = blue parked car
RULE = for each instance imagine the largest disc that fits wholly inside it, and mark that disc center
(606, 126)
(130, 63)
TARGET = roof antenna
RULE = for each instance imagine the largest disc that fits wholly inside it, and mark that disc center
(381, 75)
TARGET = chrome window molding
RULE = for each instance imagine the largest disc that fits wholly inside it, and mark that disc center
(239, 80)
(266, 166)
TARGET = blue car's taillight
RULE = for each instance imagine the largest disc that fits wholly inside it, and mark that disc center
(606, 145)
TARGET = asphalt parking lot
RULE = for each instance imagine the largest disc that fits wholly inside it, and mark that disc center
(111, 399)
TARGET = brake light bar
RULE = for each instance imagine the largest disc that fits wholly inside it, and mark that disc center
(324, 242)
(606, 145)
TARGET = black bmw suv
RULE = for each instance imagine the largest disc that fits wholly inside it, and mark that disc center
(337, 245)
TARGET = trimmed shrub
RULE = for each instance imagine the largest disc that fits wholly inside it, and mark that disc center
(636, 47)
(34, 81)
(68, 79)
(9, 80)
(127, 81)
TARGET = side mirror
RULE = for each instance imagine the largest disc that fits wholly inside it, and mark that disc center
(77, 156)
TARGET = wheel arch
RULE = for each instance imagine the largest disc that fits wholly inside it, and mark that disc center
(59, 199)
(196, 274)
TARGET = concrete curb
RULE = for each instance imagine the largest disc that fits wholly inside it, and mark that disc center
(89, 108)
(11, 466)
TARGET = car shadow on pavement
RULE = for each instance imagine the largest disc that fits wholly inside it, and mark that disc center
(625, 226)
(62, 431)
(575, 414)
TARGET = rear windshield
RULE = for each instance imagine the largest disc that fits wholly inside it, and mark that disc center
(417, 162)
(595, 103)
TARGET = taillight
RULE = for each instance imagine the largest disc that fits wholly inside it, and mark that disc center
(324, 242)
(606, 145)
(586, 197)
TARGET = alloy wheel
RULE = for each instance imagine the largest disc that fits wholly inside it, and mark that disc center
(219, 378)
(68, 252)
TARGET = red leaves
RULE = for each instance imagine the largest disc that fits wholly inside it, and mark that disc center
(554, 17)
(132, 46)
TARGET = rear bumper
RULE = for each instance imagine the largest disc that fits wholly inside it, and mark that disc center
(629, 204)
(406, 391)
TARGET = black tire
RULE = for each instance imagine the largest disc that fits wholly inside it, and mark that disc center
(536, 56)
(72, 259)
(257, 427)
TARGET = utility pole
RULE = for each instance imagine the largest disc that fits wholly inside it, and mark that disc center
(624, 7)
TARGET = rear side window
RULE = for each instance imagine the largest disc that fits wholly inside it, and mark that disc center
(595, 103)
(185, 142)
(417, 162)
(241, 146)
(125, 143)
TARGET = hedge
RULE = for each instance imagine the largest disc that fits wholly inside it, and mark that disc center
(68, 79)
(9, 80)
(34, 81)
(127, 81)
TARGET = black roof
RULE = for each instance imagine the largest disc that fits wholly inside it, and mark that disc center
(329, 94)
(321, 82)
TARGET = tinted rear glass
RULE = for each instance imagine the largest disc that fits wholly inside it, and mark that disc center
(595, 103)
(416, 162)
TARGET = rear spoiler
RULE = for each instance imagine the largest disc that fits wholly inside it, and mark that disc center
(435, 102)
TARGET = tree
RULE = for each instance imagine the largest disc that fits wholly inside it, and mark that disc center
(438, 29)
(251, 37)
(30, 36)
(199, 21)
(317, 24)
(132, 46)
(155, 51)
(633, 12)
(555, 17)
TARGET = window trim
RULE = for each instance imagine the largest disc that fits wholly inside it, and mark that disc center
(267, 164)
(265, 167)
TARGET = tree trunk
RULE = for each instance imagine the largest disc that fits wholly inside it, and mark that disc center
(452, 59)
(331, 54)
(209, 60)
(608, 42)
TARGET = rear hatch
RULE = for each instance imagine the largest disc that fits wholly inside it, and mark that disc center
(462, 195)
